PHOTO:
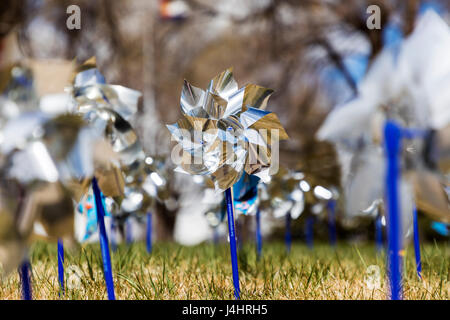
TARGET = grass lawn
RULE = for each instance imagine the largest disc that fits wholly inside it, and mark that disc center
(204, 272)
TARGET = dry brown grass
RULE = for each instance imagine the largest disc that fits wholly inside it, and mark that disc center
(204, 272)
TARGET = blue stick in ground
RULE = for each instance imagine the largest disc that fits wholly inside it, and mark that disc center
(392, 138)
(148, 235)
(239, 234)
(417, 244)
(232, 235)
(332, 222)
(379, 233)
(128, 232)
(309, 232)
(287, 236)
(61, 266)
(104, 245)
(215, 236)
(113, 236)
(258, 235)
(25, 279)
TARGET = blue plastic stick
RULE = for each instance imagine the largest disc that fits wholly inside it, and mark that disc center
(258, 235)
(61, 265)
(113, 236)
(104, 245)
(378, 233)
(128, 232)
(232, 235)
(332, 223)
(148, 237)
(309, 232)
(215, 236)
(239, 235)
(287, 236)
(417, 244)
(392, 138)
(24, 272)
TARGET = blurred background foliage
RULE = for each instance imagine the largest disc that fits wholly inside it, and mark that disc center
(300, 48)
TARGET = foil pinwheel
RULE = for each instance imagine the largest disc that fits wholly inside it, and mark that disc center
(226, 131)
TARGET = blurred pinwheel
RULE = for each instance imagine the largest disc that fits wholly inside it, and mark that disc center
(215, 212)
(43, 161)
(245, 195)
(214, 203)
(405, 84)
(145, 184)
(86, 224)
(108, 108)
(17, 92)
(284, 198)
(283, 194)
(138, 180)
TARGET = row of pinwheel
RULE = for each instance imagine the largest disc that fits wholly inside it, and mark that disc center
(393, 138)
(227, 138)
(395, 132)
(284, 197)
(51, 162)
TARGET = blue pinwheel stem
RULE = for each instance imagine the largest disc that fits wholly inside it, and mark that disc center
(104, 245)
(379, 233)
(258, 235)
(128, 232)
(238, 234)
(215, 236)
(232, 235)
(417, 244)
(392, 140)
(113, 236)
(25, 279)
(309, 231)
(61, 266)
(287, 235)
(148, 235)
(332, 237)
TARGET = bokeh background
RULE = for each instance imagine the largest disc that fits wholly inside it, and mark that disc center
(311, 52)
